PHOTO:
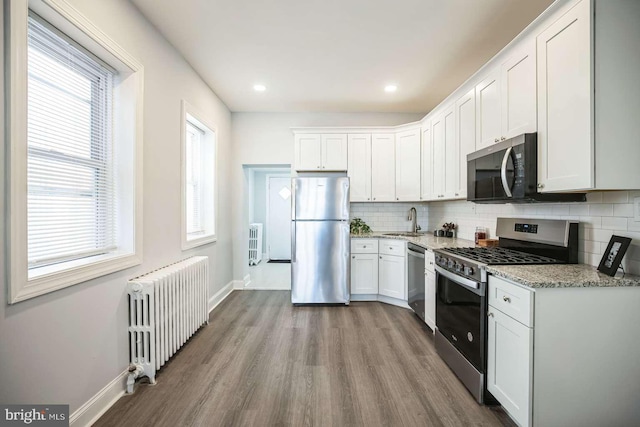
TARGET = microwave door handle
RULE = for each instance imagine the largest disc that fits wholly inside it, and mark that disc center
(503, 172)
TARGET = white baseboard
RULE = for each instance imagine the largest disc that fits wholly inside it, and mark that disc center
(220, 295)
(277, 288)
(95, 407)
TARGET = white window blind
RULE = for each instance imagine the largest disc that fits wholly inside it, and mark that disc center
(194, 179)
(71, 204)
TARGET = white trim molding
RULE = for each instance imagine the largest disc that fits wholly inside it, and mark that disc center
(128, 128)
(220, 296)
(100, 403)
(187, 112)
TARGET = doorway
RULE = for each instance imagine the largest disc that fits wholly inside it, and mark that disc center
(278, 217)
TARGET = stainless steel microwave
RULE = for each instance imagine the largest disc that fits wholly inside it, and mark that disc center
(507, 172)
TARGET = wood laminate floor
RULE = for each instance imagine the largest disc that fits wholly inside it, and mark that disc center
(262, 361)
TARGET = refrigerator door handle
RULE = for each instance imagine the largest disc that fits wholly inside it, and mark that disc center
(293, 242)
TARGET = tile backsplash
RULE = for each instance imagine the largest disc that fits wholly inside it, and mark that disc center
(389, 216)
(604, 214)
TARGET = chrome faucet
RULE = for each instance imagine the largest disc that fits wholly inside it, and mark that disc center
(413, 217)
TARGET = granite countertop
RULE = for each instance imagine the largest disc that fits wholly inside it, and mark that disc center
(427, 240)
(561, 276)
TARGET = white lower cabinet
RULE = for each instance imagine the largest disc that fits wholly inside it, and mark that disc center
(509, 364)
(392, 276)
(430, 299)
(364, 274)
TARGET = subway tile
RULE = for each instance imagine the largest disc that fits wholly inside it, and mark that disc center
(594, 197)
(591, 221)
(615, 197)
(601, 209)
(614, 223)
(633, 225)
(625, 210)
(579, 209)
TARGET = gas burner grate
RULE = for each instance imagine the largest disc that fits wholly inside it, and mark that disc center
(495, 256)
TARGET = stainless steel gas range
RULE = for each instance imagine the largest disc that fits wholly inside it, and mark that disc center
(461, 289)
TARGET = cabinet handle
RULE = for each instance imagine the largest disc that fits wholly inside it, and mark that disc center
(496, 140)
(397, 198)
(380, 257)
(323, 167)
(364, 246)
(490, 314)
(456, 194)
(540, 185)
(318, 167)
(502, 138)
(368, 198)
(374, 198)
(354, 257)
(506, 299)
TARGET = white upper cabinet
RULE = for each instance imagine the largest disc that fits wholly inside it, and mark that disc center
(565, 143)
(444, 154)
(488, 113)
(334, 152)
(359, 167)
(383, 166)
(518, 91)
(321, 152)
(465, 137)
(408, 165)
(308, 152)
(427, 165)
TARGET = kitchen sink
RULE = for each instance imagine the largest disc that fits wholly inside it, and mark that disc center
(405, 234)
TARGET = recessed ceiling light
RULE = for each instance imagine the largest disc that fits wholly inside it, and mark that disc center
(259, 88)
(390, 88)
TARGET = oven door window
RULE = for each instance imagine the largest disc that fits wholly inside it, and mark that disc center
(488, 175)
(459, 318)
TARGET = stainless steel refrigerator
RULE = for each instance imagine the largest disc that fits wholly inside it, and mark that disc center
(320, 242)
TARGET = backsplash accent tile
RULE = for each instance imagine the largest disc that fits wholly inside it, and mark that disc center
(389, 216)
(604, 214)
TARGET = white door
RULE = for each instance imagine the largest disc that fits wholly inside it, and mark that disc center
(383, 167)
(334, 152)
(391, 276)
(408, 165)
(466, 139)
(488, 112)
(426, 172)
(364, 274)
(565, 144)
(279, 218)
(308, 152)
(518, 79)
(359, 170)
(509, 370)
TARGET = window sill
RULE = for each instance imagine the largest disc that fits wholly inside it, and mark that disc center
(199, 241)
(52, 278)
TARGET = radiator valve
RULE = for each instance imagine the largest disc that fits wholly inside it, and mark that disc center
(134, 372)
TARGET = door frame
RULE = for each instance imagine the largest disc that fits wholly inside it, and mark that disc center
(266, 180)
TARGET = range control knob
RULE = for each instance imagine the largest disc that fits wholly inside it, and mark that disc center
(450, 263)
(468, 270)
(458, 266)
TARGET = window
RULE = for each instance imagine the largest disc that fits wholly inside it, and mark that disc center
(69, 142)
(74, 119)
(199, 166)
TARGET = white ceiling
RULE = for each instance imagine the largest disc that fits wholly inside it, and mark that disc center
(337, 55)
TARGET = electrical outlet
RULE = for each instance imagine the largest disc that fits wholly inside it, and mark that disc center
(636, 209)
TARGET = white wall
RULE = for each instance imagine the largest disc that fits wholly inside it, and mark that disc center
(604, 214)
(266, 139)
(65, 346)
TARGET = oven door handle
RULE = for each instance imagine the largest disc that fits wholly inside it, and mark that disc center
(503, 172)
(458, 279)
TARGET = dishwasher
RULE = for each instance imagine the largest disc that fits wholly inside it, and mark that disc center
(415, 267)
